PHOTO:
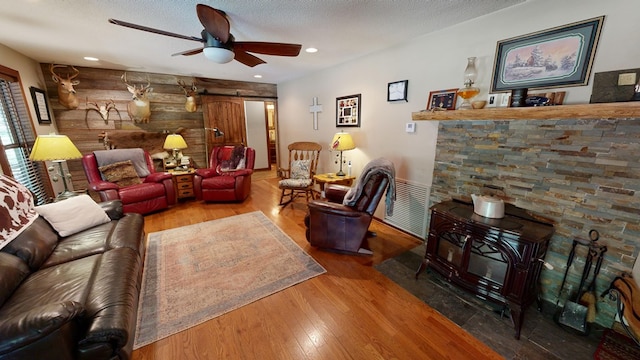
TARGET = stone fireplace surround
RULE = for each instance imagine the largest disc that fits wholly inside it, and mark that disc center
(578, 165)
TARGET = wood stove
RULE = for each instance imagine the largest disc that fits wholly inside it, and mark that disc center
(498, 260)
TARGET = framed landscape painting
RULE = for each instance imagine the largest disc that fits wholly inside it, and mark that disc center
(561, 56)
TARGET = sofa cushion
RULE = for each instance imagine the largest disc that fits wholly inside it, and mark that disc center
(23, 330)
(34, 244)
(16, 209)
(219, 182)
(65, 282)
(126, 232)
(81, 244)
(73, 215)
(122, 173)
(12, 271)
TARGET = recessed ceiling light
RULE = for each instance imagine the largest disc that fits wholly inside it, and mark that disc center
(311, 50)
(91, 58)
(257, 76)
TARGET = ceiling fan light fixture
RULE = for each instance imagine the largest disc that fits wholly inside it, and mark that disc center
(218, 55)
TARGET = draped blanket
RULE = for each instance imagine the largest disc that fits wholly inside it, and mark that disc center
(376, 166)
(137, 157)
(17, 209)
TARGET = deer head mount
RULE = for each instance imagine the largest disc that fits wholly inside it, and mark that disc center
(138, 108)
(66, 92)
(103, 110)
(190, 93)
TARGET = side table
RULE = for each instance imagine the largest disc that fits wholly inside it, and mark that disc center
(183, 182)
(323, 179)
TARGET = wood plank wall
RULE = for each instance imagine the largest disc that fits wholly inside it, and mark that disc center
(168, 112)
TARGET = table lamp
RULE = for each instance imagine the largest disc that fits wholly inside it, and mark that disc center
(341, 142)
(58, 149)
(176, 143)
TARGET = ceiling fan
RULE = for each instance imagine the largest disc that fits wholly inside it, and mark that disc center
(219, 45)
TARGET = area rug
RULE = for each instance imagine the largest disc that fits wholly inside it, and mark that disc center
(195, 273)
(615, 345)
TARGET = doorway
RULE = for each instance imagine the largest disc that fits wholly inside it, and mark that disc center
(246, 121)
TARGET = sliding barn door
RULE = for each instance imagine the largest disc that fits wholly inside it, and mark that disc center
(227, 114)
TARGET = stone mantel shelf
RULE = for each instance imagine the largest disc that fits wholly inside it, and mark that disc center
(583, 111)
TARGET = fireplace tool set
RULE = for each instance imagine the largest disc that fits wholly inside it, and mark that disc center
(579, 310)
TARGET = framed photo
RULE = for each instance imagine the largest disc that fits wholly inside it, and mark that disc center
(442, 99)
(40, 103)
(505, 100)
(397, 91)
(492, 100)
(561, 56)
(348, 111)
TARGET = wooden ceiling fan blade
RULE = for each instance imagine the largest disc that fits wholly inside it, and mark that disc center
(189, 52)
(214, 21)
(268, 48)
(247, 58)
(155, 31)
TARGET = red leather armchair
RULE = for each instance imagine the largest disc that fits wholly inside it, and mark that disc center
(224, 181)
(155, 192)
(343, 225)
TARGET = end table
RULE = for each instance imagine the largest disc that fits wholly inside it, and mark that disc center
(183, 182)
(328, 178)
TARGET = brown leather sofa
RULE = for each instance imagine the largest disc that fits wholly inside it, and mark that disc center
(342, 225)
(228, 177)
(73, 297)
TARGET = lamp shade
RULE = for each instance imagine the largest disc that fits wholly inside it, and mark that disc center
(342, 141)
(175, 142)
(218, 55)
(54, 147)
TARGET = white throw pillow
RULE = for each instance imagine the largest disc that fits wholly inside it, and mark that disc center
(73, 215)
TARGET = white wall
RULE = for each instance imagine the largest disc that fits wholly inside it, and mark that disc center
(432, 62)
(30, 75)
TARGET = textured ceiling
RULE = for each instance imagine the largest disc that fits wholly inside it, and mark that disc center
(64, 31)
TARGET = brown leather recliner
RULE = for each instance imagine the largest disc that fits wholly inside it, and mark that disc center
(342, 225)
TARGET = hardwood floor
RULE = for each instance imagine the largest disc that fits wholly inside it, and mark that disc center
(351, 312)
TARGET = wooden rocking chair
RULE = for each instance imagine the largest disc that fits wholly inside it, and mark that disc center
(297, 180)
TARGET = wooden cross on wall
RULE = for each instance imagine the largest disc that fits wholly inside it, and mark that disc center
(315, 109)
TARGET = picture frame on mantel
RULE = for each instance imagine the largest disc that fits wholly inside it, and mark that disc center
(558, 57)
(41, 105)
(442, 99)
(348, 111)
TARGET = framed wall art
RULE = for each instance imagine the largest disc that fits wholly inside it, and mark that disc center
(41, 106)
(397, 91)
(561, 56)
(492, 100)
(442, 99)
(348, 111)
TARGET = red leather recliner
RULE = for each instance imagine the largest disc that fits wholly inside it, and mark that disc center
(220, 183)
(156, 192)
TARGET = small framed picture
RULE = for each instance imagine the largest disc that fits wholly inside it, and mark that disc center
(492, 100)
(348, 111)
(41, 106)
(397, 91)
(505, 99)
(442, 99)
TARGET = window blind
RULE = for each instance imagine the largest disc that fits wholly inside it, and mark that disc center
(17, 136)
